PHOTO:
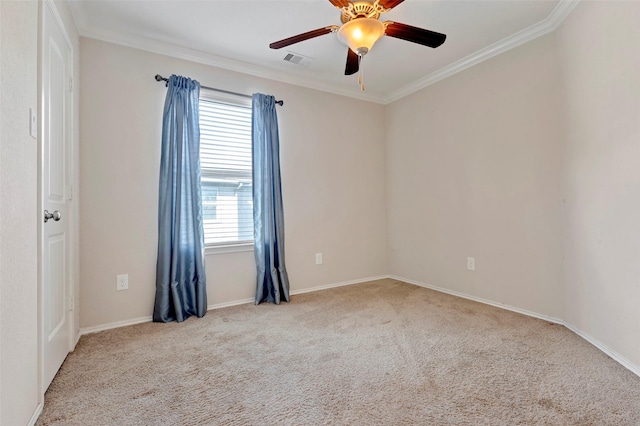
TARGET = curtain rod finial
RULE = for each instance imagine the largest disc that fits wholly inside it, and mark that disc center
(161, 78)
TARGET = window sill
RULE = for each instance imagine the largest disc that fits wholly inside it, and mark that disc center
(228, 248)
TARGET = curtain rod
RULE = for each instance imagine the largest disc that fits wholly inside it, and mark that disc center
(166, 80)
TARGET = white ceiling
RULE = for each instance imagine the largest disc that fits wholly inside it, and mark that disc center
(236, 35)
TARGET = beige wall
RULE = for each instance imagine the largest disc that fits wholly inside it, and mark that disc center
(18, 220)
(529, 163)
(473, 167)
(525, 162)
(332, 171)
(485, 147)
(600, 57)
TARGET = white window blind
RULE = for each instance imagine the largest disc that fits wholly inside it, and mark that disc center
(225, 160)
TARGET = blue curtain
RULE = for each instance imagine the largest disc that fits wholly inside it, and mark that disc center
(268, 217)
(180, 276)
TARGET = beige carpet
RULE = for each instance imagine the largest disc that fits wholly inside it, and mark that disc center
(378, 353)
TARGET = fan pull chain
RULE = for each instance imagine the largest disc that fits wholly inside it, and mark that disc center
(360, 78)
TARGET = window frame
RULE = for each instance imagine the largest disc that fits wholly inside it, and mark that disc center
(227, 98)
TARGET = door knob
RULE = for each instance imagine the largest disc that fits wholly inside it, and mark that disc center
(55, 216)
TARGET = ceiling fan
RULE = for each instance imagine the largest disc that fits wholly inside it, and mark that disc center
(361, 28)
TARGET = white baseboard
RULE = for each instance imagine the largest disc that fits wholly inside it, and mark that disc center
(481, 300)
(36, 414)
(608, 351)
(294, 292)
(232, 303)
(124, 323)
(76, 339)
(117, 324)
(340, 284)
(602, 347)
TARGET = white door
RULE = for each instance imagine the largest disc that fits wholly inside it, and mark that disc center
(55, 140)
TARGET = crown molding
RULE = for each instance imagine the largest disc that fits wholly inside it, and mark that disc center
(164, 48)
(555, 18)
(79, 17)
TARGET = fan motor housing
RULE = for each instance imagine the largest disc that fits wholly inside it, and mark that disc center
(361, 9)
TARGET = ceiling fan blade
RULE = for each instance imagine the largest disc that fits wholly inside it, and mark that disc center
(389, 4)
(352, 63)
(301, 37)
(340, 3)
(415, 34)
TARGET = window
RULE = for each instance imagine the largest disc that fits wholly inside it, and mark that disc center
(225, 160)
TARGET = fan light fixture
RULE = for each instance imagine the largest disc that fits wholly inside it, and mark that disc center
(361, 34)
(361, 28)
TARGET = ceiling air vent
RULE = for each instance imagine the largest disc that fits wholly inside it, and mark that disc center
(296, 58)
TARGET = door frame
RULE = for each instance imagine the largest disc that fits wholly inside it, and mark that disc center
(72, 160)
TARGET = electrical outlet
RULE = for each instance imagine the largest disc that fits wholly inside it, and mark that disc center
(122, 282)
(318, 258)
(471, 263)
